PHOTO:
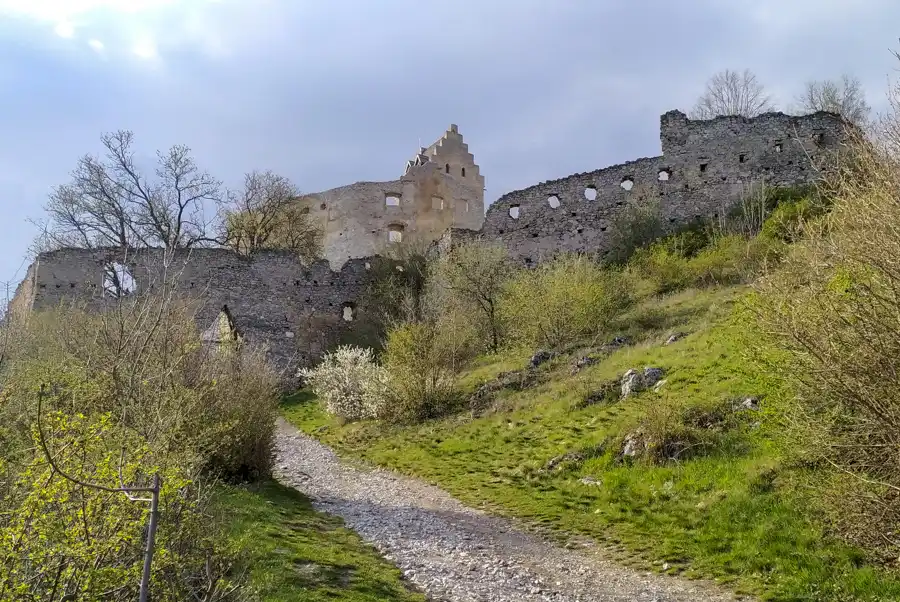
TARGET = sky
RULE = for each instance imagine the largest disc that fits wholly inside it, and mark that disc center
(330, 93)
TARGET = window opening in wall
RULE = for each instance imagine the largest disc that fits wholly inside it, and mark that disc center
(447, 168)
(348, 312)
(778, 146)
(395, 233)
(514, 211)
(118, 281)
(590, 193)
(664, 175)
(463, 206)
(553, 201)
(222, 330)
(392, 200)
(437, 203)
(463, 172)
(627, 183)
(703, 167)
(742, 158)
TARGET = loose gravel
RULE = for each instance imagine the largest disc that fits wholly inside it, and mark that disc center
(457, 554)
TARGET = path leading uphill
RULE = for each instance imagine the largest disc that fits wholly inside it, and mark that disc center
(458, 554)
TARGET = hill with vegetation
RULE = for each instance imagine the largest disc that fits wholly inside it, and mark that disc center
(720, 403)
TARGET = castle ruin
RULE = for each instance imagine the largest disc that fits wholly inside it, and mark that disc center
(300, 311)
(441, 188)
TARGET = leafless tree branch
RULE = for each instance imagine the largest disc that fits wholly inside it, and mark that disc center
(733, 93)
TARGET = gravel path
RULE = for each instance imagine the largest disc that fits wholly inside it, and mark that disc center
(455, 553)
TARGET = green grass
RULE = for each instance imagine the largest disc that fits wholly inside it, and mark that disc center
(733, 514)
(296, 553)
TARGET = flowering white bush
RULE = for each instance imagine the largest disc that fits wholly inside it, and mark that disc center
(349, 382)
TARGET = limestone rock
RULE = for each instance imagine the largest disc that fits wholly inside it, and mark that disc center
(634, 381)
(675, 337)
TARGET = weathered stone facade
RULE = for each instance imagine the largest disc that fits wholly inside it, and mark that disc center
(297, 311)
(301, 311)
(442, 188)
(702, 172)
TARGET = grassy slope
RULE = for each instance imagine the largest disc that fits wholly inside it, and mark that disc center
(299, 554)
(733, 514)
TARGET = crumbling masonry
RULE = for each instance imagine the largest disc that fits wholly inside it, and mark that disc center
(301, 311)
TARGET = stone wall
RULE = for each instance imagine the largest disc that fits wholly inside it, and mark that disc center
(705, 168)
(298, 311)
(442, 188)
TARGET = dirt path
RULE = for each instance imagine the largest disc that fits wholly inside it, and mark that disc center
(458, 554)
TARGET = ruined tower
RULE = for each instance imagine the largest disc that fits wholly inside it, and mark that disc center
(441, 188)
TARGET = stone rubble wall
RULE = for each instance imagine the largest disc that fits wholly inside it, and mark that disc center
(299, 311)
(296, 310)
(709, 166)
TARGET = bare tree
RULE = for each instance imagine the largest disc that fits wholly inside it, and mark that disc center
(845, 97)
(109, 202)
(732, 93)
(268, 214)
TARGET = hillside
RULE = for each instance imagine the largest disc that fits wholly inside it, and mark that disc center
(717, 407)
(731, 512)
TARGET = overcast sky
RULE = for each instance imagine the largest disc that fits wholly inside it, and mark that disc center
(329, 93)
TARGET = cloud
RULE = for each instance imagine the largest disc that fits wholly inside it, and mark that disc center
(144, 48)
(331, 94)
(64, 30)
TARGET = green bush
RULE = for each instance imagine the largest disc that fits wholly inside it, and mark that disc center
(729, 259)
(421, 361)
(62, 540)
(788, 220)
(144, 362)
(131, 391)
(829, 326)
(562, 300)
(634, 228)
(666, 270)
(469, 280)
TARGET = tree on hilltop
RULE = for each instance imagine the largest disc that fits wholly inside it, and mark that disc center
(269, 214)
(845, 97)
(732, 93)
(110, 202)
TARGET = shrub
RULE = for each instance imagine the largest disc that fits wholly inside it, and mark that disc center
(634, 228)
(62, 540)
(397, 287)
(143, 361)
(831, 312)
(421, 361)
(727, 259)
(674, 432)
(470, 280)
(562, 300)
(349, 382)
(788, 220)
(666, 270)
(134, 390)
